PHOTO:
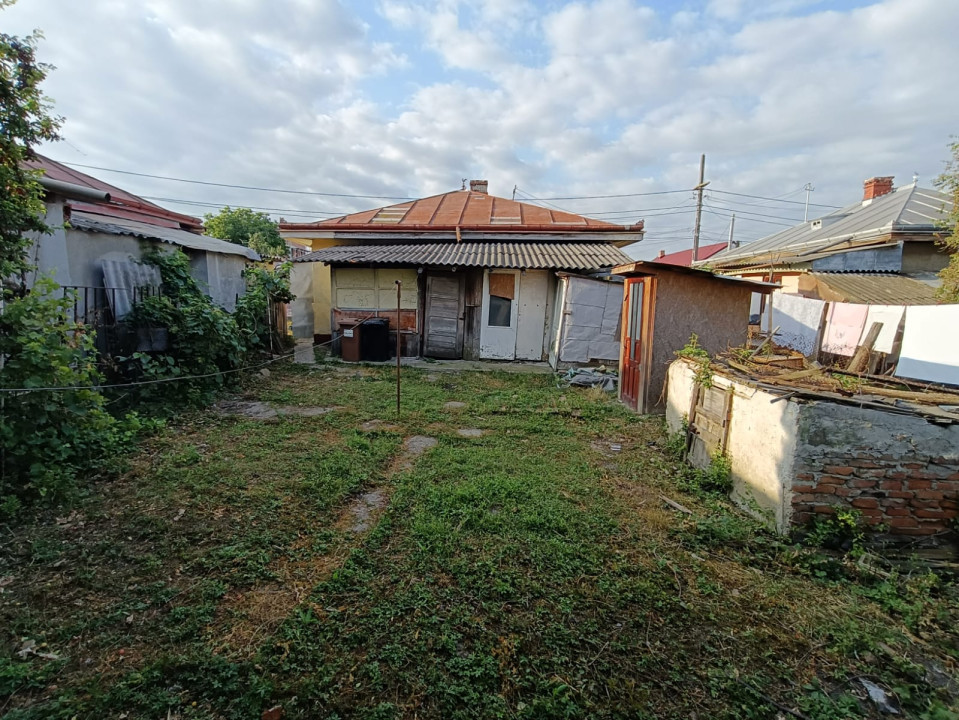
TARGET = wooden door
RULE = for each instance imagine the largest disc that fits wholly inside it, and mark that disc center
(444, 316)
(636, 343)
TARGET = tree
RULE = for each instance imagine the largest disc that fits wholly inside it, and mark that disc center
(25, 121)
(948, 183)
(245, 227)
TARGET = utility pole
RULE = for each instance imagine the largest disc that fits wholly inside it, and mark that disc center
(732, 224)
(808, 188)
(699, 204)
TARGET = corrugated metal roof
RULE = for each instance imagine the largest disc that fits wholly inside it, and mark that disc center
(648, 268)
(530, 255)
(462, 209)
(906, 209)
(877, 288)
(121, 203)
(685, 257)
(124, 226)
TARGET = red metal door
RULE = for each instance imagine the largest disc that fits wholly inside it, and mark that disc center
(632, 380)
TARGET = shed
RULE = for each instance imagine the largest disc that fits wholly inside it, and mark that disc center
(663, 305)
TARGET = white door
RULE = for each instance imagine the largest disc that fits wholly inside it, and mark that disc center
(531, 320)
(500, 311)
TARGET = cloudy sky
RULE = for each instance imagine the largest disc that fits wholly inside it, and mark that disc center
(563, 101)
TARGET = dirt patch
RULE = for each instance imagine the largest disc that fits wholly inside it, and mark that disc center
(609, 448)
(264, 411)
(454, 405)
(413, 448)
(363, 511)
(470, 432)
(379, 426)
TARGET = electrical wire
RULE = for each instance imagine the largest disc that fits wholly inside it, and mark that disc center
(728, 215)
(763, 197)
(739, 212)
(239, 187)
(198, 203)
(605, 197)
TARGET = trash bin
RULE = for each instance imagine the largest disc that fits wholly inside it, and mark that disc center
(375, 340)
(350, 336)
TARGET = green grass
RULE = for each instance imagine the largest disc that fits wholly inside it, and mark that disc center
(526, 573)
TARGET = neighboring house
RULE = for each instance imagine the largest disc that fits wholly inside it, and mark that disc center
(664, 306)
(685, 257)
(100, 231)
(478, 272)
(887, 240)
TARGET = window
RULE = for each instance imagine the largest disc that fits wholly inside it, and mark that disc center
(500, 309)
(502, 288)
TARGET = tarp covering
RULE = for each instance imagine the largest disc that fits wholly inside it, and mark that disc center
(844, 328)
(798, 319)
(891, 318)
(126, 278)
(591, 318)
(930, 345)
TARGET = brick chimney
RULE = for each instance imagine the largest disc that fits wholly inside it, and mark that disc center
(662, 253)
(876, 187)
(481, 186)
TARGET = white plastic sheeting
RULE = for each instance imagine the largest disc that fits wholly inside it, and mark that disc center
(844, 323)
(891, 318)
(590, 324)
(930, 344)
(798, 319)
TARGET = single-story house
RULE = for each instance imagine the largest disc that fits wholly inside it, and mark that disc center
(887, 240)
(100, 231)
(478, 272)
(663, 306)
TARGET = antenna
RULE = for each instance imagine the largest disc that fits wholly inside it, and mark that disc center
(915, 177)
(808, 188)
(463, 187)
(515, 188)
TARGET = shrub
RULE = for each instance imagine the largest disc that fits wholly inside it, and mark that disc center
(49, 438)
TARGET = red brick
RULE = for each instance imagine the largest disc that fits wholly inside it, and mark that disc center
(936, 514)
(862, 483)
(864, 464)
(840, 469)
(919, 484)
(924, 504)
(913, 466)
(865, 503)
(950, 487)
(890, 485)
(903, 522)
(892, 502)
(804, 477)
(904, 494)
(929, 495)
(898, 475)
(872, 473)
(871, 512)
(898, 512)
(803, 488)
(804, 498)
(832, 480)
(950, 504)
(954, 477)
(841, 490)
(825, 509)
(826, 489)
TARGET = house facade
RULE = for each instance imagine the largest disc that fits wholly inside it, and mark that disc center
(477, 273)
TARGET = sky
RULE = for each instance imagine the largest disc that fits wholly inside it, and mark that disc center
(600, 107)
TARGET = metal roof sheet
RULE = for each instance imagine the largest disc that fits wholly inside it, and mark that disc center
(464, 209)
(121, 202)
(125, 226)
(647, 268)
(517, 255)
(877, 288)
(905, 209)
(685, 257)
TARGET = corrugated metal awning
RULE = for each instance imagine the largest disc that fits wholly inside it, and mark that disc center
(877, 288)
(532, 256)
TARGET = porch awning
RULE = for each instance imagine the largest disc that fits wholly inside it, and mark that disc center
(521, 256)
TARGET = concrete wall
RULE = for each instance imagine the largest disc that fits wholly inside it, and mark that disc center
(923, 256)
(761, 443)
(718, 312)
(794, 460)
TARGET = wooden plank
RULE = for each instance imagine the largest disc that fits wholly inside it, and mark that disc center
(928, 398)
(861, 356)
(768, 339)
(502, 285)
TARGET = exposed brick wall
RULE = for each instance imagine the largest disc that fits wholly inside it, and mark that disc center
(910, 495)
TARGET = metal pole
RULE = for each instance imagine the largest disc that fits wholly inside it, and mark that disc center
(399, 288)
(699, 205)
(808, 188)
(732, 224)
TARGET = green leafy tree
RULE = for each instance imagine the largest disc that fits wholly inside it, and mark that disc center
(948, 183)
(25, 121)
(245, 227)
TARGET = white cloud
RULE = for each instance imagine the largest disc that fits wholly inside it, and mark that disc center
(591, 97)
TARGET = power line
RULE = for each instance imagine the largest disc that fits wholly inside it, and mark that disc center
(749, 212)
(728, 215)
(605, 197)
(763, 197)
(199, 203)
(239, 187)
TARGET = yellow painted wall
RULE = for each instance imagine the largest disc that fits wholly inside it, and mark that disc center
(373, 289)
(322, 283)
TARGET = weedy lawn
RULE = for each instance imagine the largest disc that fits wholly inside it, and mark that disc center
(339, 565)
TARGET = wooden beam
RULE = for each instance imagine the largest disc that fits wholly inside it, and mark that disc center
(861, 357)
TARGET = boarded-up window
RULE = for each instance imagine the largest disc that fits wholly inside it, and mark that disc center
(502, 285)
